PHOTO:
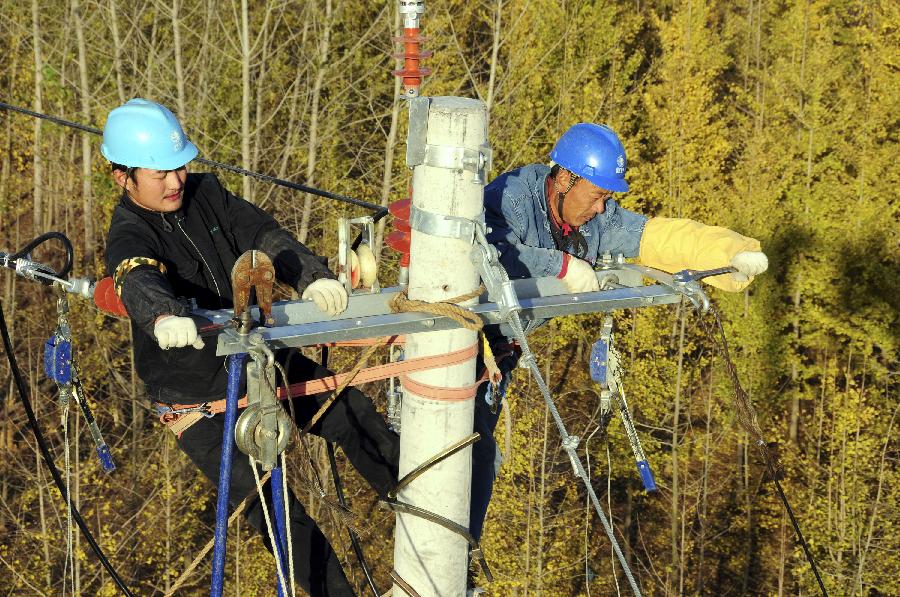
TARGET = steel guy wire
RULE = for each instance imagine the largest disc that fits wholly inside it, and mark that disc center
(568, 444)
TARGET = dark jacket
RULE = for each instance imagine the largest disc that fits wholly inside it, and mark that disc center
(198, 245)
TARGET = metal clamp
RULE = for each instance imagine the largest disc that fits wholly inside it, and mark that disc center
(443, 225)
(688, 282)
(500, 288)
(458, 158)
(451, 157)
(411, 9)
(450, 525)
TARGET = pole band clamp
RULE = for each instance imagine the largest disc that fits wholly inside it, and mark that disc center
(443, 225)
(458, 158)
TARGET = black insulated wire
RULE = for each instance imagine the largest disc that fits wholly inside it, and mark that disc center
(381, 211)
(354, 538)
(339, 490)
(48, 459)
(36, 242)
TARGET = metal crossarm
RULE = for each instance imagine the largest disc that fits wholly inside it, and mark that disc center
(368, 315)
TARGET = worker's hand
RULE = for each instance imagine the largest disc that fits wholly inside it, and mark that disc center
(174, 332)
(329, 295)
(749, 264)
(579, 276)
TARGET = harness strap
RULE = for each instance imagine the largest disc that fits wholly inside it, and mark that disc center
(180, 417)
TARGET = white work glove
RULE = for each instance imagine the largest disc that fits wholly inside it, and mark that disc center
(328, 295)
(174, 332)
(579, 276)
(749, 264)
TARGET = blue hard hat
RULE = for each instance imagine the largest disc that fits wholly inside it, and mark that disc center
(144, 134)
(593, 152)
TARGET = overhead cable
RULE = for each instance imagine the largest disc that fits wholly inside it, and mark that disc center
(212, 163)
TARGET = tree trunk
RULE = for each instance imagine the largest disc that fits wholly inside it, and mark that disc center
(676, 492)
(495, 51)
(316, 91)
(389, 146)
(38, 106)
(179, 68)
(113, 20)
(245, 97)
(87, 201)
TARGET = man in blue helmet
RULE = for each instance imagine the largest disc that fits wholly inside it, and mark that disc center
(176, 236)
(557, 221)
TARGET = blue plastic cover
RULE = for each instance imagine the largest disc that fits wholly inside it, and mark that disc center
(646, 475)
(598, 362)
(106, 458)
(58, 360)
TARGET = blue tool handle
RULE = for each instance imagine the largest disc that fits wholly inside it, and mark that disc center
(106, 458)
(646, 475)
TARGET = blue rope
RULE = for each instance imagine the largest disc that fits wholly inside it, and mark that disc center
(278, 498)
(235, 369)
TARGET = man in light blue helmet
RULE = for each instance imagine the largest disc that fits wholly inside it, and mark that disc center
(176, 235)
(557, 221)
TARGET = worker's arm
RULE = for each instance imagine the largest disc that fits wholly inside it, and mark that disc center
(253, 228)
(620, 230)
(675, 244)
(138, 272)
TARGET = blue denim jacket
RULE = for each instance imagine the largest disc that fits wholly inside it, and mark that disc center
(515, 205)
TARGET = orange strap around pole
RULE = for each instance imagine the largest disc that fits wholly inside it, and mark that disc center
(440, 393)
(179, 422)
(400, 368)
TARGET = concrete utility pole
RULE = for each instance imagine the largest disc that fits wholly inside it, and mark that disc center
(447, 146)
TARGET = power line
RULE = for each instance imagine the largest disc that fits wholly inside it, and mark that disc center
(235, 169)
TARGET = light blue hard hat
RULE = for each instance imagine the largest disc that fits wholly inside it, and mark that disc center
(144, 134)
(593, 152)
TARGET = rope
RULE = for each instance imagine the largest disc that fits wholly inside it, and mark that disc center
(209, 545)
(276, 548)
(337, 392)
(401, 303)
(746, 416)
(289, 540)
(257, 175)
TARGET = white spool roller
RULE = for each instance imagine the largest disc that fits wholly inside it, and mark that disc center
(363, 268)
(368, 267)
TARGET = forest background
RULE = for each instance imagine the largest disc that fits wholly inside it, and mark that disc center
(777, 118)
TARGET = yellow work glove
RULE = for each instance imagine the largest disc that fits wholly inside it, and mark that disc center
(675, 244)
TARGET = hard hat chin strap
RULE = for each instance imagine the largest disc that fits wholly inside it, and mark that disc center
(561, 195)
(566, 238)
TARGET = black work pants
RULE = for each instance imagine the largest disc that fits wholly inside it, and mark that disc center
(352, 423)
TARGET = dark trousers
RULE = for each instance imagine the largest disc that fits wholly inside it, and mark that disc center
(485, 454)
(353, 424)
